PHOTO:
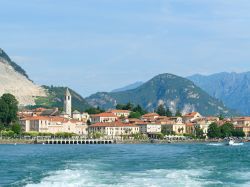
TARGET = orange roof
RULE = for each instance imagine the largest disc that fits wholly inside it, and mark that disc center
(50, 118)
(192, 114)
(150, 115)
(120, 111)
(104, 114)
(242, 119)
(113, 124)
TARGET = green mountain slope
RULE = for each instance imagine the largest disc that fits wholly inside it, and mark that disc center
(173, 91)
(232, 88)
(56, 96)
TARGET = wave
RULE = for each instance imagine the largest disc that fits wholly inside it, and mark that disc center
(94, 176)
(216, 144)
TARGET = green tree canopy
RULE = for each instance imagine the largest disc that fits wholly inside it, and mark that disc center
(227, 130)
(135, 115)
(161, 110)
(94, 110)
(213, 131)
(8, 109)
(178, 113)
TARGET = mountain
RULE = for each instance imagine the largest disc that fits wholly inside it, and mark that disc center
(55, 98)
(232, 88)
(14, 80)
(129, 87)
(173, 91)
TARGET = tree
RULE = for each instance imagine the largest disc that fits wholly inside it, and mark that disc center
(238, 133)
(135, 115)
(3, 111)
(227, 130)
(169, 113)
(178, 113)
(221, 117)
(213, 131)
(139, 109)
(16, 128)
(8, 109)
(199, 133)
(94, 110)
(161, 110)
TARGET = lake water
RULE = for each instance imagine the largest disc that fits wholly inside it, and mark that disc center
(125, 165)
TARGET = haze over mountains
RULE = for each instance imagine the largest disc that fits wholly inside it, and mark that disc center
(173, 91)
(232, 88)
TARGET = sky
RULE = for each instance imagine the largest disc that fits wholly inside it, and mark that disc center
(101, 45)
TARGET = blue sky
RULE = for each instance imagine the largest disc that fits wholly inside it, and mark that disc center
(100, 45)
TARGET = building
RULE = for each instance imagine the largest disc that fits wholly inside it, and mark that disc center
(121, 113)
(190, 117)
(190, 128)
(105, 117)
(242, 121)
(150, 117)
(175, 125)
(150, 129)
(67, 103)
(53, 124)
(245, 129)
(114, 130)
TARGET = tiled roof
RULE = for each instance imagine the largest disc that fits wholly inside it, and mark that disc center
(120, 111)
(104, 114)
(113, 124)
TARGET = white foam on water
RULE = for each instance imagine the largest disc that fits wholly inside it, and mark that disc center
(87, 176)
(216, 144)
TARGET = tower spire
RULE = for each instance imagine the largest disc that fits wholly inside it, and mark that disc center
(67, 102)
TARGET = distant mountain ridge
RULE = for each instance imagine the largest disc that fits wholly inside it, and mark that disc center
(232, 88)
(173, 91)
(129, 87)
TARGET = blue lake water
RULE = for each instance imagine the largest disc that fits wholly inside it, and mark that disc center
(125, 165)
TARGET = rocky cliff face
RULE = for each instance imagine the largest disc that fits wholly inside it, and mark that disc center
(14, 80)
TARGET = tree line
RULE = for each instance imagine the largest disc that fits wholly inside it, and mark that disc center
(223, 131)
(8, 115)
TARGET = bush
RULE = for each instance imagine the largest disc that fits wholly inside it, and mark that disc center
(31, 133)
(65, 134)
(8, 133)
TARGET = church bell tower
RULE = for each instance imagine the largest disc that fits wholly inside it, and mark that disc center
(67, 103)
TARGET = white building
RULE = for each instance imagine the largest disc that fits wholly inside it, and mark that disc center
(121, 113)
(105, 117)
(53, 124)
(149, 128)
(114, 130)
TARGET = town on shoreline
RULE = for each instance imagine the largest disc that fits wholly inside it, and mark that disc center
(125, 124)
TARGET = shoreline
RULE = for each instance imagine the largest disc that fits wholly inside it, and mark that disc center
(23, 141)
